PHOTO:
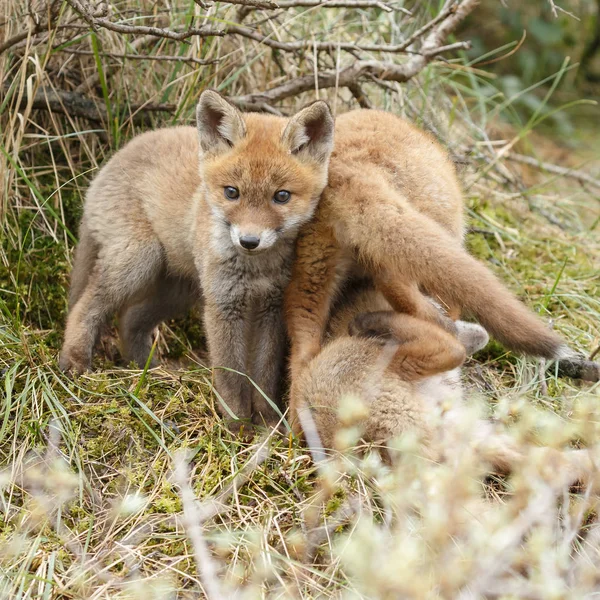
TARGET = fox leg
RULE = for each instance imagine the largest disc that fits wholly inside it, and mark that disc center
(171, 297)
(423, 349)
(226, 328)
(410, 244)
(118, 275)
(86, 255)
(472, 336)
(406, 298)
(316, 275)
(269, 347)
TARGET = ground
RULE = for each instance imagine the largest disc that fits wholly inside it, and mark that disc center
(95, 497)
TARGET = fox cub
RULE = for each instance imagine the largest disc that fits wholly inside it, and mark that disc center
(395, 363)
(406, 372)
(393, 209)
(179, 215)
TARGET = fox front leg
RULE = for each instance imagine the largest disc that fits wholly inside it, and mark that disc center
(268, 358)
(226, 334)
(316, 275)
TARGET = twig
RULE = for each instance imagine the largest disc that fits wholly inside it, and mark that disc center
(444, 13)
(205, 564)
(271, 4)
(18, 38)
(326, 46)
(554, 8)
(329, 79)
(166, 58)
(267, 40)
(385, 71)
(105, 23)
(77, 105)
(38, 27)
(360, 96)
(564, 171)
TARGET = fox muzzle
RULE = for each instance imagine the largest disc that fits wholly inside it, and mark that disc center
(249, 242)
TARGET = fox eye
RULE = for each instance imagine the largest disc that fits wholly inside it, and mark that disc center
(282, 196)
(232, 193)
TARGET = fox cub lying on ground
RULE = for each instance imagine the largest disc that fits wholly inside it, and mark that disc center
(406, 373)
(397, 364)
(162, 227)
(393, 208)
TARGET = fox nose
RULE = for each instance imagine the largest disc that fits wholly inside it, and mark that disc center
(250, 242)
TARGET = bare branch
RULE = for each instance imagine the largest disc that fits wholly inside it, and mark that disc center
(16, 39)
(563, 171)
(385, 71)
(333, 46)
(267, 40)
(329, 79)
(554, 8)
(105, 23)
(38, 26)
(161, 57)
(433, 35)
(202, 32)
(77, 105)
(272, 4)
(360, 96)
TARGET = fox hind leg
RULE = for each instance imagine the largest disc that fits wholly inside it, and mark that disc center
(424, 349)
(171, 297)
(86, 255)
(405, 297)
(118, 276)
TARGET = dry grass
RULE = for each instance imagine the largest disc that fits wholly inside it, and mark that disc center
(95, 500)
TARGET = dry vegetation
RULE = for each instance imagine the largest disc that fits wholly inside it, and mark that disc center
(124, 483)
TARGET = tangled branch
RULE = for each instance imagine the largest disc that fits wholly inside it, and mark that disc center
(351, 64)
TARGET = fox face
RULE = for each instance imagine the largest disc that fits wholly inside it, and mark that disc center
(262, 174)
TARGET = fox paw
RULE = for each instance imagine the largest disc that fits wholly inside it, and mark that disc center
(472, 336)
(70, 362)
(579, 368)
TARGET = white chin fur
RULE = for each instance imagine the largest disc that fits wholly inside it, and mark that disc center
(268, 237)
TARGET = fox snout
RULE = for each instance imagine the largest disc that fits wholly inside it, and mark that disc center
(251, 239)
(249, 242)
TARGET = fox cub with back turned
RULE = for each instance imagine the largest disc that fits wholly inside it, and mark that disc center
(181, 214)
(393, 208)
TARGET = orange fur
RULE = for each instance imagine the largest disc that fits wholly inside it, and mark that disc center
(393, 207)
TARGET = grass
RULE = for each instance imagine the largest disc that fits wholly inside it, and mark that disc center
(96, 469)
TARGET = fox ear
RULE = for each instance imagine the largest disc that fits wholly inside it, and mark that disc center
(220, 124)
(310, 132)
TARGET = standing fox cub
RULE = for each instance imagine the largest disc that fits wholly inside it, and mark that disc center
(393, 207)
(162, 227)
